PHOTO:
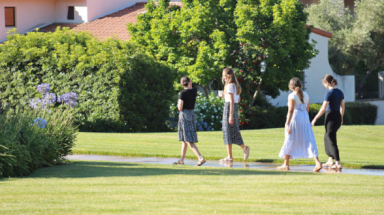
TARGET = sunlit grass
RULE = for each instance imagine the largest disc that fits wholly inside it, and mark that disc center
(132, 188)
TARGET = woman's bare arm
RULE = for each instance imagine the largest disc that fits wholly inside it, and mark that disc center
(342, 110)
(321, 112)
(180, 104)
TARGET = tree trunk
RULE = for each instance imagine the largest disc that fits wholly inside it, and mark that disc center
(206, 90)
(257, 92)
(378, 62)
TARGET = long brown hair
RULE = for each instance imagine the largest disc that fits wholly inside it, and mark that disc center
(231, 78)
(329, 79)
(295, 85)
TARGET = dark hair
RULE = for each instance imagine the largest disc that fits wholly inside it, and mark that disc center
(329, 79)
(295, 84)
(185, 81)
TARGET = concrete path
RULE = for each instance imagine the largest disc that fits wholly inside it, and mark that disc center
(209, 163)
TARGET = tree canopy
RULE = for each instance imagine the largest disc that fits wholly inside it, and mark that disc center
(357, 39)
(203, 37)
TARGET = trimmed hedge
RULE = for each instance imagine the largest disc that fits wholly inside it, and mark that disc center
(24, 147)
(363, 113)
(356, 113)
(120, 87)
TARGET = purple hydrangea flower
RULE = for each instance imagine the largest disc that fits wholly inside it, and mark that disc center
(49, 99)
(35, 103)
(69, 99)
(43, 88)
(59, 99)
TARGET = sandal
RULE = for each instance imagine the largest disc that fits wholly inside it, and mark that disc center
(327, 164)
(226, 159)
(246, 153)
(201, 162)
(334, 166)
(317, 168)
(283, 168)
(178, 163)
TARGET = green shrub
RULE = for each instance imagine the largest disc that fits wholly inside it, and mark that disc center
(274, 117)
(120, 87)
(24, 146)
(362, 113)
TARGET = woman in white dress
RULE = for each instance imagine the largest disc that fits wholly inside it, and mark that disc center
(299, 139)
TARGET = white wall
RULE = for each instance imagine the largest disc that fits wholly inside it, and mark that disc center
(380, 110)
(100, 8)
(81, 12)
(29, 15)
(318, 68)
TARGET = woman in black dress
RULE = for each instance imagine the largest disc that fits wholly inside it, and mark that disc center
(333, 107)
(187, 122)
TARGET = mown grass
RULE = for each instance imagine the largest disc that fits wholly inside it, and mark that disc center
(360, 146)
(85, 187)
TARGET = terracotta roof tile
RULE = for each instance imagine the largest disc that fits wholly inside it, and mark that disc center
(115, 24)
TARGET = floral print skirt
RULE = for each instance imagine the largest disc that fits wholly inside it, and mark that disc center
(187, 126)
(231, 133)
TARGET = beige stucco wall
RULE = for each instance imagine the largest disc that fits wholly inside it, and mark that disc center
(29, 15)
(100, 8)
(320, 66)
(61, 11)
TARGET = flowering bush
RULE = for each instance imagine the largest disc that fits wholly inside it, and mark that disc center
(49, 99)
(27, 146)
(34, 138)
(209, 113)
(120, 88)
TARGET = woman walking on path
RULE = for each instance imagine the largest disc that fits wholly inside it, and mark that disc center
(187, 122)
(333, 107)
(231, 130)
(299, 139)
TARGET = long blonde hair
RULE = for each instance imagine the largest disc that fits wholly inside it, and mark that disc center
(295, 85)
(231, 78)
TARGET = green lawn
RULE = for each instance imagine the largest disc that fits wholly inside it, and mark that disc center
(360, 146)
(121, 188)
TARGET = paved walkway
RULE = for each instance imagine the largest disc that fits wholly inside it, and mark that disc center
(252, 165)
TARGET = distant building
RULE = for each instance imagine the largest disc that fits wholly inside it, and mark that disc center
(26, 15)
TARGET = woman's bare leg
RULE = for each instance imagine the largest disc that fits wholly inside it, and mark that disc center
(195, 150)
(286, 160)
(184, 147)
(229, 151)
(285, 166)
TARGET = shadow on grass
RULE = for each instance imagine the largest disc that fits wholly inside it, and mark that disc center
(89, 169)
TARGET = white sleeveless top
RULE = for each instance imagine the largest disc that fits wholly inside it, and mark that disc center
(295, 97)
(231, 88)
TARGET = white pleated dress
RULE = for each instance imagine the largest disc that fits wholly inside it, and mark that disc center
(301, 142)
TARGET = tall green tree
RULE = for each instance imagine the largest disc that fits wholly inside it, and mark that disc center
(203, 37)
(334, 17)
(357, 45)
(367, 37)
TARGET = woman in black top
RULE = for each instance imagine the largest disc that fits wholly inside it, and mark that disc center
(187, 122)
(333, 107)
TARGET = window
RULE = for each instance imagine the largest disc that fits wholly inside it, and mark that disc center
(71, 12)
(10, 20)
